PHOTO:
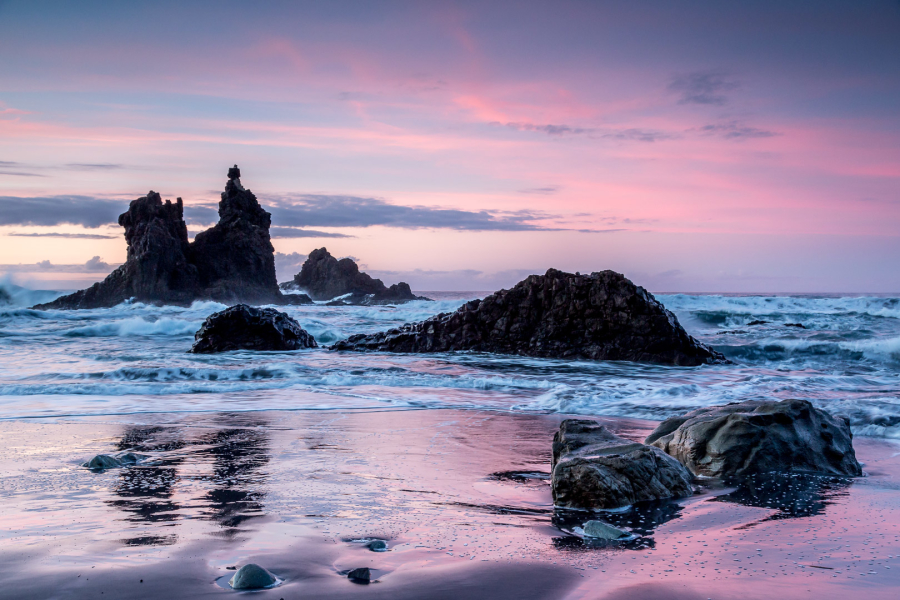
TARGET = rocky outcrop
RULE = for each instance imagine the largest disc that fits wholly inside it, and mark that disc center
(594, 468)
(324, 277)
(244, 327)
(601, 316)
(232, 261)
(758, 436)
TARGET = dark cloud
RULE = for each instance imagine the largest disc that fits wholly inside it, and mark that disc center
(58, 210)
(94, 166)
(640, 135)
(94, 265)
(318, 210)
(548, 129)
(291, 232)
(77, 236)
(546, 190)
(735, 130)
(707, 87)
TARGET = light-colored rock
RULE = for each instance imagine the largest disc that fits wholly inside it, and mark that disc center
(759, 436)
(594, 468)
(252, 577)
(603, 531)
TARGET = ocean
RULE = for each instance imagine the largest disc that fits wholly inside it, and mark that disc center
(840, 352)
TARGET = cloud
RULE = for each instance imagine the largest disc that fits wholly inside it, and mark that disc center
(76, 236)
(457, 280)
(548, 129)
(8, 167)
(546, 190)
(94, 166)
(319, 210)
(94, 265)
(57, 210)
(735, 130)
(701, 87)
(640, 135)
(291, 232)
(287, 265)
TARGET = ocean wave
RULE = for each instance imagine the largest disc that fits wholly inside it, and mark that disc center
(714, 307)
(136, 326)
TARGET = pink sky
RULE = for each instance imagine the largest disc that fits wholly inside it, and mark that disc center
(708, 149)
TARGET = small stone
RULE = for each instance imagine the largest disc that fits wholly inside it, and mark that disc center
(377, 546)
(361, 575)
(603, 531)
(102, 461)
(251, 577)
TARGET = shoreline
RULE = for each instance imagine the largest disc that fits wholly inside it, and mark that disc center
(461, 497)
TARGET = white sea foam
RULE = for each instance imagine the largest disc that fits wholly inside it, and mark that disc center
(135, 326)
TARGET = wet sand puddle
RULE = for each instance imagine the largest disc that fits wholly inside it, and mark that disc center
(461, 498)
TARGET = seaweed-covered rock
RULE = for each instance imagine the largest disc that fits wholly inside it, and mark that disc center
(324, 277)
(245, 327)
(234, 261)
(594, 468)
(759, 436)
(601, 316)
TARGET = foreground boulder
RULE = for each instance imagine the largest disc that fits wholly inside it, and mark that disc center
(252, 577)
(601, 316)
(245, 327)
(324, 277)
(758, 436)
(101, 462)
(231, 262)
(594, 468)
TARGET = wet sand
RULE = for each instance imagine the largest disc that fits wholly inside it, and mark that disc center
(461, 497)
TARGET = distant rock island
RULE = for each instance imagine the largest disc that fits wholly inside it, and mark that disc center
(234, 261)
(324, 277)
(601, 316)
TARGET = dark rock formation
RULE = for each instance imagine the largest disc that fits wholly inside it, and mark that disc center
(324, 277)
(244, 327)
(360, 575)
(758, 436)
(101, 462)
(594, 468)
(601, 316)
(232, 261)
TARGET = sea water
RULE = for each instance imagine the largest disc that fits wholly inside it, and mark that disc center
(840, 352)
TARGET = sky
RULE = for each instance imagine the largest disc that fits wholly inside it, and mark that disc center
(693, 146)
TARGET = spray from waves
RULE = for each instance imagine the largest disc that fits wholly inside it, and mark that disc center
(761, 306)
(16, 296)
(136, 326)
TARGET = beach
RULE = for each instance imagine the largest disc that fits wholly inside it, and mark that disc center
(460, 496)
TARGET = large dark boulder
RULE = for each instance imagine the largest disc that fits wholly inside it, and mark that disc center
(324, 277)
(594, 468)
(759, 436)
(601, 316)
(233, 261)
(245, 327)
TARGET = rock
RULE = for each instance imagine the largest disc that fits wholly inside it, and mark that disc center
(105, 461)
(377, 546)
(603, 531)
(759, 436)
(601, 316)
(234, 261)
(324, 277)
(252, 577)
(594, 468)
(757, 322)
(243, 327)
(361, 575)
(797, 325)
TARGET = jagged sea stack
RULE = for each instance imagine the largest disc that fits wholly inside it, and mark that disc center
(324, 277)
(234, 261)
(601, 316)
